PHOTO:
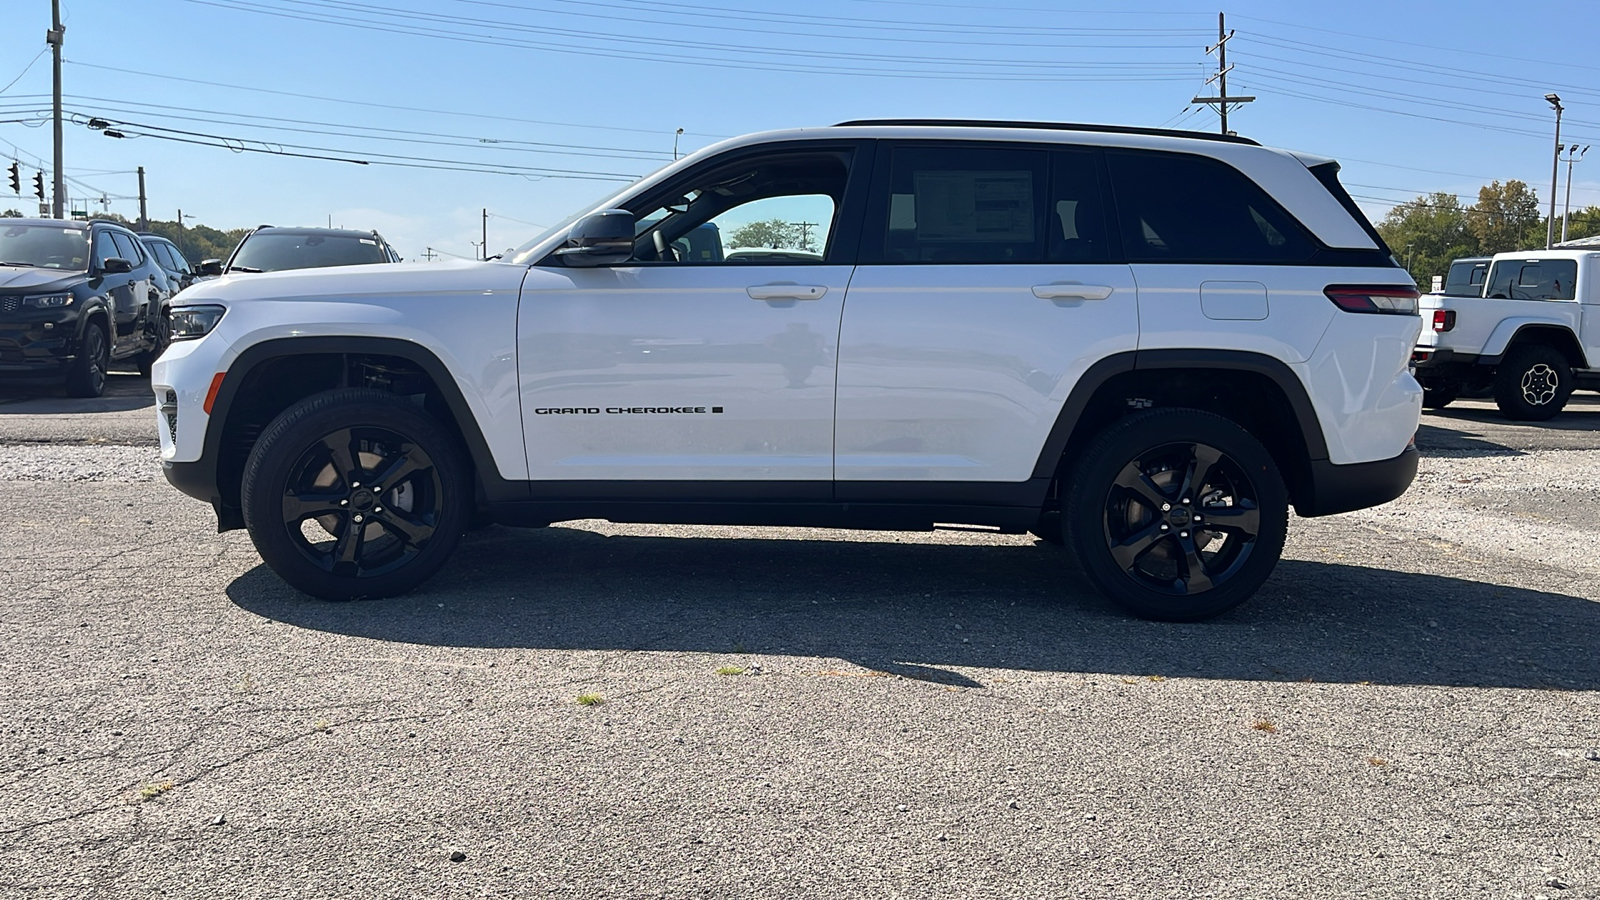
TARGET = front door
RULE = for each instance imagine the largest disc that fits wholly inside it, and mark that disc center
(122, 289)
(984, 292)
(711, 355)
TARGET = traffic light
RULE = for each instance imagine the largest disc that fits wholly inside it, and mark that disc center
(16, 178)
(38, 185)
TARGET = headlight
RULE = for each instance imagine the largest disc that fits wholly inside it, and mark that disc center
(48, 301)
(191, 322)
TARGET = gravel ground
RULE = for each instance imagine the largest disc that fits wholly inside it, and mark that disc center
(1408, 708)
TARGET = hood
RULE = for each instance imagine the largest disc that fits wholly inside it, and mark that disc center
(359, 283)
(34, 280)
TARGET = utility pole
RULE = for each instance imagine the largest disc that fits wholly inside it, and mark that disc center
(144, 214)
(486, 232)
(181, 241)
(429, 255)
(54, 37)
(1573, 155)
(805, 234)
(1555, 171)
(1222, 99)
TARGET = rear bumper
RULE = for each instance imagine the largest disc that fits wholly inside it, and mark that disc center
(1337, 489)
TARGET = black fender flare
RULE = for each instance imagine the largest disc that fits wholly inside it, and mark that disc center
(1099, 374)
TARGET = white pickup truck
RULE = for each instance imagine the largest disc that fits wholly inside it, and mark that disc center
(1533, 336)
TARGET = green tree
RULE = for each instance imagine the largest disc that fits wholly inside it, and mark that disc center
(1582, 223)
(1428, 232)
(772, 234)
(1505, 218)
(11, 214)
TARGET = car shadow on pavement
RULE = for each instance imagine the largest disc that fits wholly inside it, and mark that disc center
(1433, 440)
(125, 391)
(928, 611)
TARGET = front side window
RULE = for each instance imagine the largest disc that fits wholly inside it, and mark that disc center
(776, 210)
(44, 246)
(1538, 279)
(1177, 207)
(127, 247)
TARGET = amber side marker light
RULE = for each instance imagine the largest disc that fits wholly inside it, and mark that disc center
(211, 394)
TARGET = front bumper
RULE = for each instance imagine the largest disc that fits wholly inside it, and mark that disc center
(1342, 488)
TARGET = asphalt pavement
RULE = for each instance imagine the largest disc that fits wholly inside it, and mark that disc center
(1409, 708)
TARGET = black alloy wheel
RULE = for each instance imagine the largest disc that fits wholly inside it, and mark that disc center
(355, 493)
(1177, 514)
(1532, 383)
(161, 339)
(87, 378)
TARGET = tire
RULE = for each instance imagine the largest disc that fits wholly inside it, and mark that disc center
(1532, 383)
(348, 455)
(87, 377)
(1441, 395)
(146, 360)
(1203, 468)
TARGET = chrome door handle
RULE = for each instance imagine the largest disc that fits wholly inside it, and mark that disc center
(786, 291)
(1072, 291)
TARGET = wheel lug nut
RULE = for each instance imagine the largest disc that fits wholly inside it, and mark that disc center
(1185, 500)
(344, 502)
(1166, 527)
(377, 509)
(358, 517)
(355, 484)
(1183, 534)
(1166, 507)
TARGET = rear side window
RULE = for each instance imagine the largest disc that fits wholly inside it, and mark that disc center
(1534, 279)
(1466, 279)
(967, 205)
(1175, 207)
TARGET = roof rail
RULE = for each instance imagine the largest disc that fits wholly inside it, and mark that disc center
(1055, 126)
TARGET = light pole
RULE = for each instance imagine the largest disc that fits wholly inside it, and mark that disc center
(675, 137)
(1555, 172)
(1573, 155)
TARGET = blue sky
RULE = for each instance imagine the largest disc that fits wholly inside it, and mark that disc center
(549, 104)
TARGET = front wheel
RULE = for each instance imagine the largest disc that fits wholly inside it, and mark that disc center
(355, 493)
(1176, 514)
(161, 339)
(87, 377)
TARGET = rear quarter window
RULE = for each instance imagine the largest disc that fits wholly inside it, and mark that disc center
(1182, 208)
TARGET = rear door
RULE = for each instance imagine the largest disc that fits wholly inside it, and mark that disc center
(118, 287)
(986, 287)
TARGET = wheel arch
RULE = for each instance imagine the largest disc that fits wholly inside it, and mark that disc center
(269, 377)
(1257, 392)
(1550, 334)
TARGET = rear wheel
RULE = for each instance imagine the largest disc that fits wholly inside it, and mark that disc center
(1532, 383)
(87, 377)
(1177, 514)
(355, 493)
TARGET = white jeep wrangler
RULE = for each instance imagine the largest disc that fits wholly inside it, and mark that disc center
(1530, 332)
(1144, 344)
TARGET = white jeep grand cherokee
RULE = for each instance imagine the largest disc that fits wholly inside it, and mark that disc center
(1145, 344)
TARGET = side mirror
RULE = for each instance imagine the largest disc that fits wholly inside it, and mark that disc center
(116, 265)
(211, 267)
(604, 238)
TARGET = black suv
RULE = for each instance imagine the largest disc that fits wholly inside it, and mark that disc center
(180, 273)
(269, 248)
(75, 297)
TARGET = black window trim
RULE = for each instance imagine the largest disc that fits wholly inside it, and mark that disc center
(846, 236)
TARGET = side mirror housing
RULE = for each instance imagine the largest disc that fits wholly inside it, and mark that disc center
(116, 265)
(604, 238)
(211, 267)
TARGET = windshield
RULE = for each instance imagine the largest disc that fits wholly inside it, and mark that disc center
(272, 251)
(45, 246)
(1533, 279)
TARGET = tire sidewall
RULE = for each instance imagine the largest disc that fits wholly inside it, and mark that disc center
(82, 380)
(1130, 438)
(272, 459)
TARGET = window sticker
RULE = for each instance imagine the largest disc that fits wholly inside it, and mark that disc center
(974, 206)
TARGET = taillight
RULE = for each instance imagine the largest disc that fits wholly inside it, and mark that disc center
(1444, 319)
(1379, 298)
